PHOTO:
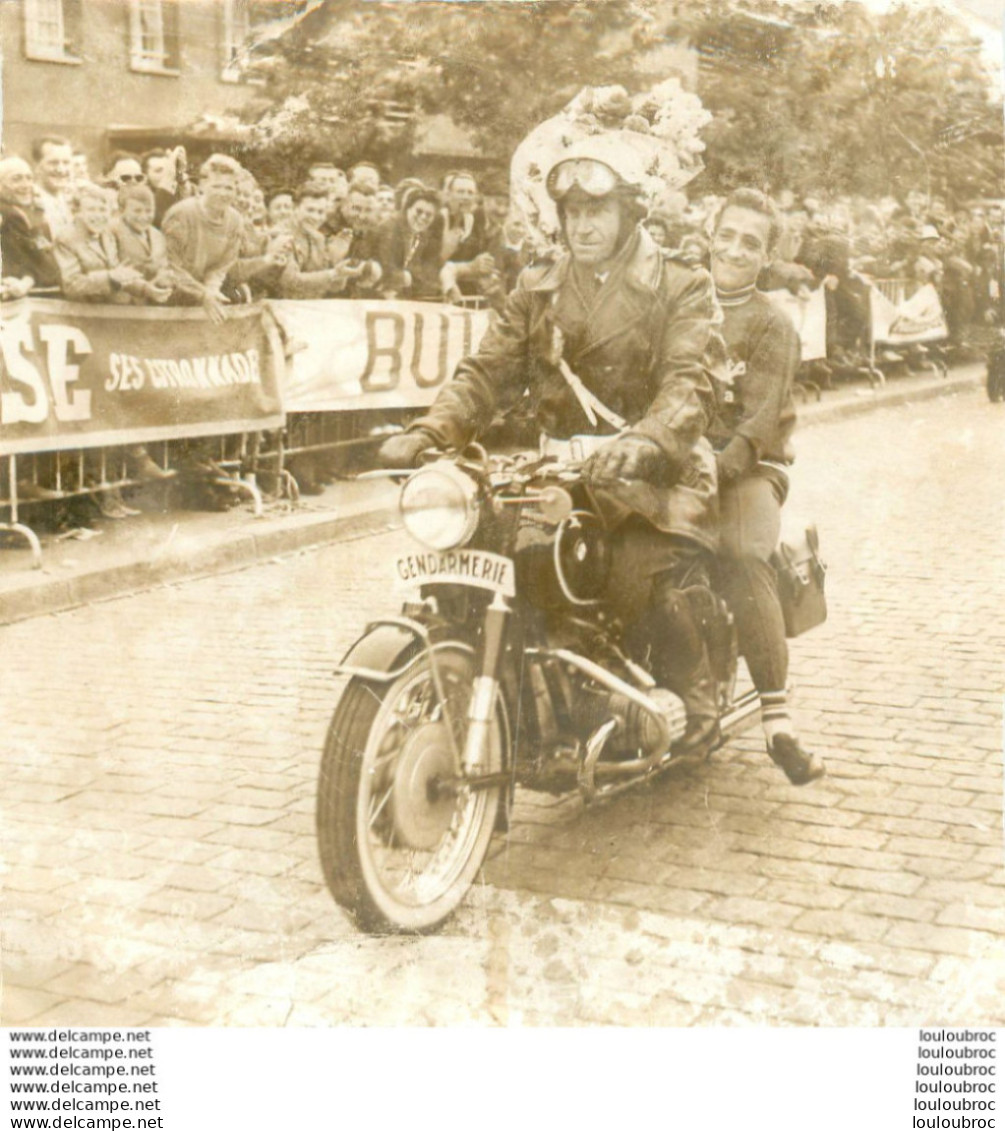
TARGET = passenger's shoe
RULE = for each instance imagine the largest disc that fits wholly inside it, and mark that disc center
(800, 766)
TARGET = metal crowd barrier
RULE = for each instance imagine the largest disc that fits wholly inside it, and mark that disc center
(321, 445)
(47, 478)
(895, 289)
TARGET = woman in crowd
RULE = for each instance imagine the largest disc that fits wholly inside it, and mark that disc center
(410, 249)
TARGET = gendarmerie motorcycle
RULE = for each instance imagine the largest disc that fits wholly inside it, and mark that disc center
(504, 669)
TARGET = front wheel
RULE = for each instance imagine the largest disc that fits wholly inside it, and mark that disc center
(399, 853)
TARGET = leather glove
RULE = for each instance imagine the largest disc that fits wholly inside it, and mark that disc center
(404, 449)
(627, 457)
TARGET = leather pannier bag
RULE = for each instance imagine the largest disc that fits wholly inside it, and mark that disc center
(801, 575)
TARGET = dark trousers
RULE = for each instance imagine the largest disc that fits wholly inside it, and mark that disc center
(650, 571)
(750, 520)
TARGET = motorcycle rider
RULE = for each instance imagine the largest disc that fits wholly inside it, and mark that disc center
(612, 340)
(752, 434)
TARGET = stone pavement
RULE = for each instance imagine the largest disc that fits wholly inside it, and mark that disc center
(160, 753)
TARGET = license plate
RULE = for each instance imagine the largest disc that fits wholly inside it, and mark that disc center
(480, 568)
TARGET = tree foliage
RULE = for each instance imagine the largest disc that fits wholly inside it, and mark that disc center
(808, 97)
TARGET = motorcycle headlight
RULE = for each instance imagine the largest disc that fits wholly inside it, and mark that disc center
(439, 506)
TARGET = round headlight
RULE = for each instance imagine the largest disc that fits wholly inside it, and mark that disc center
(439, 506)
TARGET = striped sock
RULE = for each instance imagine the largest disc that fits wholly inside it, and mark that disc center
(775, 715)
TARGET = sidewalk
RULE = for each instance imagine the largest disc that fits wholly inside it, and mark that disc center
(160, 547)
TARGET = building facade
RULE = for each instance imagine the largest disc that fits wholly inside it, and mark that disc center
(129, 74)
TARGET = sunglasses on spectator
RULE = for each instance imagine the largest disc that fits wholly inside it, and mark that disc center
(131, 178)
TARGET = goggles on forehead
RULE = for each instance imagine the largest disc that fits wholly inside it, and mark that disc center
(593, 177)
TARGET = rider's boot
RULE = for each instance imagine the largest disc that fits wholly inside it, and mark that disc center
(681, 663)
(698, 692)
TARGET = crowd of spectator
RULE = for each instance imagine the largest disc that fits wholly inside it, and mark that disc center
(142, 232)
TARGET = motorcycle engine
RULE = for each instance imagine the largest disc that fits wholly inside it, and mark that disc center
(639, 730)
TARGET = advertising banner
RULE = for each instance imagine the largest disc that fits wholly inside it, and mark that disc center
(79, 376)
(919, 318)
(353, 354)
(808, 314)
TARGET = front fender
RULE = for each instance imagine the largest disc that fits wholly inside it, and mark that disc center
(382, 652)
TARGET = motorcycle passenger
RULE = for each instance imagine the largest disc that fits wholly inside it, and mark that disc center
(752, 436)
(612, 339)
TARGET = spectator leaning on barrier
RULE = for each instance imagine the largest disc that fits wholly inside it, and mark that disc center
(25, 251)
(355, 239)
(308, 272)
(53, 157)
(92, 271)
(204, 235)
(140, 244)
(88, 255)
(410, 248)
(262, 255)
(467, 264)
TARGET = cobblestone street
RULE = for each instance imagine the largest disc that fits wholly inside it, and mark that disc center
(160, 754)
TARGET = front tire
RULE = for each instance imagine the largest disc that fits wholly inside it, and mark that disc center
(397, 854)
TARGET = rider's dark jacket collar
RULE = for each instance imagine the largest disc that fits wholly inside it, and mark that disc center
(638, 264)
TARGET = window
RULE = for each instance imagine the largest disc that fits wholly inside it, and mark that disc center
(47, 30)
(236, 33)
(153, 36)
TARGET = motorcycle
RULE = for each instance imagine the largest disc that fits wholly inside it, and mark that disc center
(504, 670)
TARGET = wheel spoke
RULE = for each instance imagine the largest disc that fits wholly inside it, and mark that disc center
(374, 813)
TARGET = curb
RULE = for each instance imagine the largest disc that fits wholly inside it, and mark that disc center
(245, 548)
(887, 397)
(238, 552)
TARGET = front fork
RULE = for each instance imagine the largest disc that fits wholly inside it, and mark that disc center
(482, 710)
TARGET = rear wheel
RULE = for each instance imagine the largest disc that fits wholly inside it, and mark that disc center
(398, 853)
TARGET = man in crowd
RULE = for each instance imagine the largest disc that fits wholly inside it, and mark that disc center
(752, 435)
(354, 238)
(468, 266)
(280, 209)
(25, 249)
(123, 169)
(204, 235)
(166, 173)
(308, 272)
(331, 178)
(365, 173)
(53, 157)
(612, 343)
(140, 244)
(263, 254)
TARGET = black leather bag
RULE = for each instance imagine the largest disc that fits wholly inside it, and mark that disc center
(801, 574)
